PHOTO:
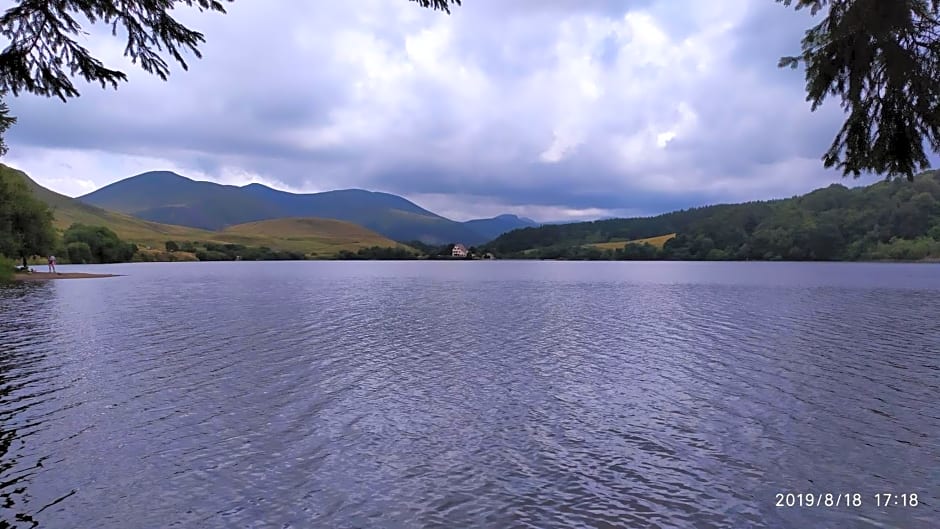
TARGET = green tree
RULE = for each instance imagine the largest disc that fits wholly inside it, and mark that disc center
(33, 224)
(25, 222)
(104, 245)
(377, 253)
(6, 121)
(171, 246)
(717, 255)
(934, 233)
(882, 59)
(911, 217)
(639, 252)
(79, 253)
(6, 270)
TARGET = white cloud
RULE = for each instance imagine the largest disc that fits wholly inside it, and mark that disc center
(500, 104)
(77, 172)
(467, 207)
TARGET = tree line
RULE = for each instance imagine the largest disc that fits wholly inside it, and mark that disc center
(894, 219)
(215, 251)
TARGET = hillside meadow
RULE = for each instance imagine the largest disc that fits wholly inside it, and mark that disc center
(314, 237)
(658, 242)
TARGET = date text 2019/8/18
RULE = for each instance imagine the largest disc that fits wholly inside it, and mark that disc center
(845, 499)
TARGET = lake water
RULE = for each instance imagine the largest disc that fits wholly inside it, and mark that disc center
(471, 394)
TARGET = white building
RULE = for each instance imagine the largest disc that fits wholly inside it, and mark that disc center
(459, 251)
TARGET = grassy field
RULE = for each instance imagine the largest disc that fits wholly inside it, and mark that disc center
(314, 237)
(655, 241)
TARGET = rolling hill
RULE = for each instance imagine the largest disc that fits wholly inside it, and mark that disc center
(67, 211)
(897, 220)
(322, 237)
(167, 197)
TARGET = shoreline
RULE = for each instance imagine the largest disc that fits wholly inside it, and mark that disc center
(47, 276)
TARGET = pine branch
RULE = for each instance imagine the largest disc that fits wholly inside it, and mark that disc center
(43, 54)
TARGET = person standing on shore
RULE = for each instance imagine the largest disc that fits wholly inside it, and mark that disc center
(51, 264)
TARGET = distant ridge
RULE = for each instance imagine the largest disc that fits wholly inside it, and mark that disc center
(496, 226)
(167, 197)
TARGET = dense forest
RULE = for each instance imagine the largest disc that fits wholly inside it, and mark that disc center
(893, 219)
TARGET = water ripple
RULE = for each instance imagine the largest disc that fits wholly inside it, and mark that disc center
(403, 395)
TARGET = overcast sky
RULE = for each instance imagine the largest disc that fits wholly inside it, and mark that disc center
(553, 109)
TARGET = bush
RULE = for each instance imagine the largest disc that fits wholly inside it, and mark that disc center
(233, 252)
(171, 246)
(906, 249)
(717, 255)
(7, 266)
(104, 245)
(78, 253)
(377, 253)
(212, 255)
(639, 252)
(934, 233)
(146, 256)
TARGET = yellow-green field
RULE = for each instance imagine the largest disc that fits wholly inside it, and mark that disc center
(658, 242)
(309, 235)
(313, 237)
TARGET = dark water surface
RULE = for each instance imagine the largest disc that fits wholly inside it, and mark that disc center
(483, 394)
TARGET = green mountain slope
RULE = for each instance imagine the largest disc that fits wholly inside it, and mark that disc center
(68, 210)
(166, 197)
(170, 198)
(886, 220)
(311, 236)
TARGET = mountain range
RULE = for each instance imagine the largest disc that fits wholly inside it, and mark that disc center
(169, 198)
(896, 220)
(310, 236)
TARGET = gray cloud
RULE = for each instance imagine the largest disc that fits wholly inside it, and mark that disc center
(555, 106)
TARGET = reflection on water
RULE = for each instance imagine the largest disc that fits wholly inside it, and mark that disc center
(29, 382)
(469, 395)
